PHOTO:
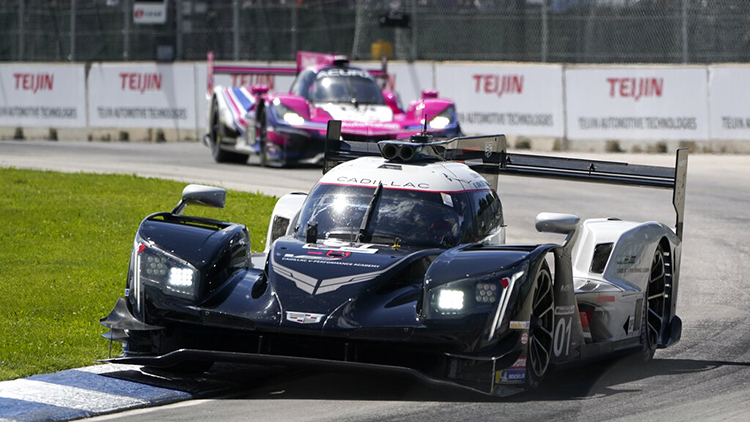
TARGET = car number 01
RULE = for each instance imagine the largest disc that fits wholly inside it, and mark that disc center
(562, 335)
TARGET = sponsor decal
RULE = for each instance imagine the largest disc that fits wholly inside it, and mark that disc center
(507, 119)
(250, 80)
(524, 338)
(386, 184)
(520, 325)
(304, 317)
(488, 149)
(510, 376)
(735, 123)
(141, 82)
(632, 270)
(626, 259)
(344, 72)
(329, 258)
(337, 246)
(34, 82)
(498, 84)
(635, 88)
(564, 310)
(605, 299)
(519, 364)
(631, 123)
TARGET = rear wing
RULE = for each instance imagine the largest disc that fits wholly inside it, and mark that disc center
(610, 172)
(488, 155)
(304, 59)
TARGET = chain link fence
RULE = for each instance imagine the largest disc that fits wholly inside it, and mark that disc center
(564, 31)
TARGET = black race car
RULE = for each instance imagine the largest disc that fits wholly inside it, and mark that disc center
(396, 260)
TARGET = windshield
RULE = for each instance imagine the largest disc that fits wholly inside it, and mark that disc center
(416, 218)
(346, 89)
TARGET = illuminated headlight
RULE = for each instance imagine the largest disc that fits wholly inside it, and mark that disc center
(171, 274)
(482, 294)
(288, 115)
(445, 118)
(450, 300)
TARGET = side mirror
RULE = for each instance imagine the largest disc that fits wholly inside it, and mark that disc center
(201, 195)
(550, 222)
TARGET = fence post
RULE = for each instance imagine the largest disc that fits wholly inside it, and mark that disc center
(126, 29)
(295, 22)
(21, 12)
(178, 29)
(236, 28)
(72, 56)
(545, 33)
(684, 31)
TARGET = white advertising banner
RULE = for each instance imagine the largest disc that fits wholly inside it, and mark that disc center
(729, 102)
(513, 99)
(408, 80)
(34, 95)
(142, 95)
(637, 103)
(275, 83)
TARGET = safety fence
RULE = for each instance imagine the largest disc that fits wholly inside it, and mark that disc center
(555, 31)
(596, 102)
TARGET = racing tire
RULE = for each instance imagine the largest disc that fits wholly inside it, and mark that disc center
(653, 318)
(262, 136)
(541, 331)
(216, 135)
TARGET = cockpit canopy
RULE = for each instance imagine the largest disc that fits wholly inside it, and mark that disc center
(338, 85)
(400, 216)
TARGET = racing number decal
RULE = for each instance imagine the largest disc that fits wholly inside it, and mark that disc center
(562, 335)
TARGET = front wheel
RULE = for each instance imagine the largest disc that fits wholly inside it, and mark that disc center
(216, 135)
(261, 129)
(541, 338)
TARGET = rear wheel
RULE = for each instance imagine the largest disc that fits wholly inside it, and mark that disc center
(216, 132)
(541, 331)
(654, 309)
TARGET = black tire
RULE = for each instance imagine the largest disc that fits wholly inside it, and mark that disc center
(541, 337)
(262, 136)
(654, 317)
(216, 135)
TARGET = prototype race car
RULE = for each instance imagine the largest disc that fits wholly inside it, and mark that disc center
(290, 128)
(396, 261)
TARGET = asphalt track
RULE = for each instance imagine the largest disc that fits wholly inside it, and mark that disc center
(705, 377)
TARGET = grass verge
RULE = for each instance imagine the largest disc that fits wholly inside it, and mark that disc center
(66, 241)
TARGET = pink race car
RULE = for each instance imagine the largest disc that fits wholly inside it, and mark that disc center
(290, 128)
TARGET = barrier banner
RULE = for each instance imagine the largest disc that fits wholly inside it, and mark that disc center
(513, 99)
(48, 95)
(637, 103)
(729, 102)
(275, 83)
(408, 80)
(142, 95)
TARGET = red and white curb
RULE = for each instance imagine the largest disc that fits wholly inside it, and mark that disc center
(78, 393)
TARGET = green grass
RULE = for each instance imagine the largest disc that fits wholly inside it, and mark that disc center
(65, 242)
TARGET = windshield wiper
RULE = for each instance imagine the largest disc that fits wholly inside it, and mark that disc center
(368, 213)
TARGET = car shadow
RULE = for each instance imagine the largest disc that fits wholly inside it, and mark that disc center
(227, 381)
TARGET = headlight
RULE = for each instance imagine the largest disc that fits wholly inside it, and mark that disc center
(159, 268)
(465, 297)
(445, 118)
(287, 114)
